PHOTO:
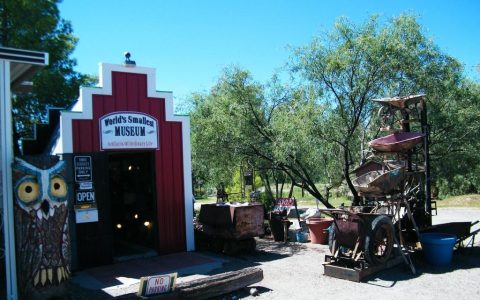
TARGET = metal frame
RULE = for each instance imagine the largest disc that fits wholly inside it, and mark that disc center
(16, 65)
(387, 195)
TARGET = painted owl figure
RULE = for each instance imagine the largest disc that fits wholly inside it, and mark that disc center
(41, 223)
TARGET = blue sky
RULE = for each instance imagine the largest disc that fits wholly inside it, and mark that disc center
(190, 42)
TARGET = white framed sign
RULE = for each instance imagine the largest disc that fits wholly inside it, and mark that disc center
(128, 130)
(157, 284)
(86, 215)
(83, 168)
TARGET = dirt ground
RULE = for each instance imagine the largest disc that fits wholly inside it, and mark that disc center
(295, 271)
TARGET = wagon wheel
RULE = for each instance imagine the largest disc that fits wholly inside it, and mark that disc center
(389, 117)
(379, 240)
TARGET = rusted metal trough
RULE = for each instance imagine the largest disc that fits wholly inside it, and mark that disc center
(229, 228)
(397, 142)
(379, 181)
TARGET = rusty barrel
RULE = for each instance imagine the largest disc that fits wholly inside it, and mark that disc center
(352, 228)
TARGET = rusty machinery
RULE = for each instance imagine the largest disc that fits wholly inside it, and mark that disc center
(395, 187)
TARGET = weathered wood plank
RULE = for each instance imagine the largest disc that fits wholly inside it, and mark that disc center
(214, 285)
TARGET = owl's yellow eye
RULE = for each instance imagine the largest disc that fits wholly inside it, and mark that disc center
(58, 187)
(28, 191)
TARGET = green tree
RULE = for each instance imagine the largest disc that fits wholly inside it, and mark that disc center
(37, 25)
(220, 126)
(313, 132)
(353, 64)
(271, 127)
(455, 140)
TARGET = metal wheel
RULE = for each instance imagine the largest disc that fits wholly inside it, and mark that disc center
(379, 240)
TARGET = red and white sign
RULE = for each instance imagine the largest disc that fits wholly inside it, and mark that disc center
(159, 284)
(128, 130)
(283, 204)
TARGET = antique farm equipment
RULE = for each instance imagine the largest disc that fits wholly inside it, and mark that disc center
(379, 181)
(395, 188)
(396, 207)
(400, 102)
(361, 244)
(230, 228)
(397, 142)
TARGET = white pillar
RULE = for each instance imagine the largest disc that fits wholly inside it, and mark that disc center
(6, 159)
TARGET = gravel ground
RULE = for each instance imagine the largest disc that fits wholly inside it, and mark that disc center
(295, 271)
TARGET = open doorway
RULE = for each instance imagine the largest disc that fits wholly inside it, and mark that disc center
(132, 201)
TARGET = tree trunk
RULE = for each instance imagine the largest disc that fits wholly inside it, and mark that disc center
(281, 187)
(346, 174)
(290, 193)
(276, 187)
(266, 183)
(327, 192)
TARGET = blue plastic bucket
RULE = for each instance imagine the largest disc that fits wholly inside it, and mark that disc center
(302, 237)
(438, 248)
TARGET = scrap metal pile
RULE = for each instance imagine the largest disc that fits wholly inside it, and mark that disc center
(395, 188)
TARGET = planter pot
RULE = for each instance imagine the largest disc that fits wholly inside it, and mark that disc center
(318, 228)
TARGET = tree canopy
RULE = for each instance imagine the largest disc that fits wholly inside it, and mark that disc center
(37, 25)
(314, 128)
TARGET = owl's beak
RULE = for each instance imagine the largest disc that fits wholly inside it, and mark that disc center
(45, 207)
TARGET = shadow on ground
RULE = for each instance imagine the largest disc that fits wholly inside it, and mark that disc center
(213, 263)
(464, 258)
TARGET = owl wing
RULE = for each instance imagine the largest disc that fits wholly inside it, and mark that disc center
(29, 247)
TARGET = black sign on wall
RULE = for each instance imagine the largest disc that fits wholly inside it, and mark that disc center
(83, 168)
(84, 189)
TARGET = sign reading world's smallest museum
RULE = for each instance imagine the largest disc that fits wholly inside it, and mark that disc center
(128, 130)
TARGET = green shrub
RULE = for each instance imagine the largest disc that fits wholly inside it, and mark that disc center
(458, 185)
(266, 199)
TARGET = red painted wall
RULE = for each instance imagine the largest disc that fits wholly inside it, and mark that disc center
(129, 93)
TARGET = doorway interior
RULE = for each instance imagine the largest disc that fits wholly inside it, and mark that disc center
(133, 205)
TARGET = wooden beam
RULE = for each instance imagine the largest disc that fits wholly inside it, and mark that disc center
(214, 285)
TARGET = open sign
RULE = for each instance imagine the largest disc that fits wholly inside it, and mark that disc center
(83, 197)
